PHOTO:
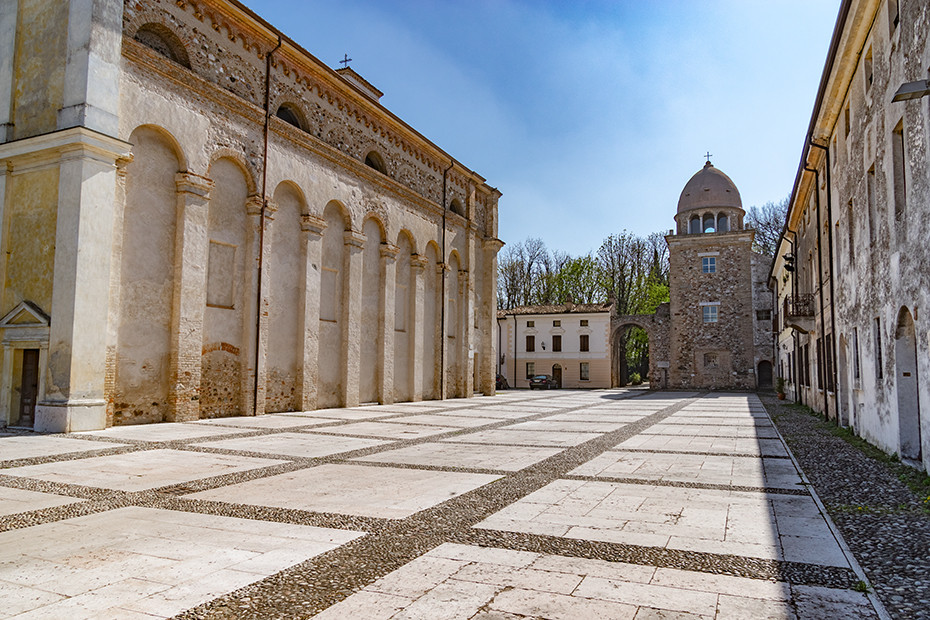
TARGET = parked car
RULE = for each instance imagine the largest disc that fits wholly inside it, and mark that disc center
(543, 382)
(501, 383)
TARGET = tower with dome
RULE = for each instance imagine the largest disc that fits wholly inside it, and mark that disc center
(716, 331)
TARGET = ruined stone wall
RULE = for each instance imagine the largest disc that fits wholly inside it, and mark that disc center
(711, 355)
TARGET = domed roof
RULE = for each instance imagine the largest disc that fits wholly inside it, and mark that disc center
(709, 188)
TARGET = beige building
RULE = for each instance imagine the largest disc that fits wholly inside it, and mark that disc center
(569, 342)
(853, 269)
(201, 219)
(716, 330)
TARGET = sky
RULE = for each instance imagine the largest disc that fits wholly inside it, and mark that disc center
(588, 115)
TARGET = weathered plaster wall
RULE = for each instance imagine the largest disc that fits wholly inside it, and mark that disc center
(146, 284)
(30, 239)
(42, 44)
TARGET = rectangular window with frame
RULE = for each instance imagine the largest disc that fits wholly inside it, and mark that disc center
(585, 371)
(530, 344)
(870, 187)
(557, 323)
(531, 323)
(763, 315)
(583, 342)
(710, 313)
(584, 322)
(709, 264)
(898, 163)
(879, 372)
(556, 343)
(530, 369)
(820, 363)
(855, 339)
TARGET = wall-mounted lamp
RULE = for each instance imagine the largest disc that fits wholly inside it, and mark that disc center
(543, 346)
(912, 90)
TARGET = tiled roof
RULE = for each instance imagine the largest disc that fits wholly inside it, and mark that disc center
(568, 308)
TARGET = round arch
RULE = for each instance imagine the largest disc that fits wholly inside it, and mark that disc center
(618, 354)
(237, 158)
(169, 138)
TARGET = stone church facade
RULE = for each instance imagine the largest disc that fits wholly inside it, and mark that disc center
(716, 330)
(201, 219)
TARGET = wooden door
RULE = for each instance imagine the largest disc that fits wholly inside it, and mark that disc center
(30, 387)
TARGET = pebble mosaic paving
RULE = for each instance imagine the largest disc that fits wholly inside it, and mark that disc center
(558, 504)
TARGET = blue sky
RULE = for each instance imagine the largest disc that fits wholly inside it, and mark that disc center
(589, 115)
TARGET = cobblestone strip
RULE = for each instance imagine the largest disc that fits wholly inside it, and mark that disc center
(684, 484)
(307, 588)
(795, 573)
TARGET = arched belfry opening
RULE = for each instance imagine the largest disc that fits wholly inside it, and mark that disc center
(373, 160)
(289, 114)
(161, 39)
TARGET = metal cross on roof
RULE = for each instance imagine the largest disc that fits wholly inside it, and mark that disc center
(708, 156)
(345, 61)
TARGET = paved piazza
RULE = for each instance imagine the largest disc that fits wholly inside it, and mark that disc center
(564, 504)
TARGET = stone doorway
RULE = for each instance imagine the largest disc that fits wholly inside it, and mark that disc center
(24, 411)
(905, 353)
(557, 375)
(764, 374)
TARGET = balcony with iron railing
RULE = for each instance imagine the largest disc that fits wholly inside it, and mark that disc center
(799, 312)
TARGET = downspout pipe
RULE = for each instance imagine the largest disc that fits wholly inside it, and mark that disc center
(796, 371)
(826, 400)
(261, 224)
(832, 257)
(442, 286)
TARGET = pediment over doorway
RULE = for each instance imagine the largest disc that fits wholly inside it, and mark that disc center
(25, 314)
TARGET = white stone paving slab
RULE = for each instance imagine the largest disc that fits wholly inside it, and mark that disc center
(442, 454)
(146, 560)
(714, 521)
(340, 414)
(589, 415)
(572, 426)
(304, 445)
(447, 419)
(699, 468)
(691, 443)
(387, 430)
(37, 446)
(165, 431)
(460, 581)
(13, 501)
(386, 492)
(137, 471)
(527, 438)
(741, 431)
(271, 421)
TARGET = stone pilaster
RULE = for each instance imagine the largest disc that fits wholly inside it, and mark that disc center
(418, 265)
(463, 331)
(488, 318)
(116, 263)
(8, 10)
(386, 318)
(190, 296)
(312, 232)
(469, 346)
(76, 376)
(253, 399)
(92, 68)
(439, 338)
(351, 317)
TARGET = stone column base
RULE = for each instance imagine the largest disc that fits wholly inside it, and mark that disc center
(71, 416)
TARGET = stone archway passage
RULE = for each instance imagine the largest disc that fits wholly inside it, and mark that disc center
(905, 349)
